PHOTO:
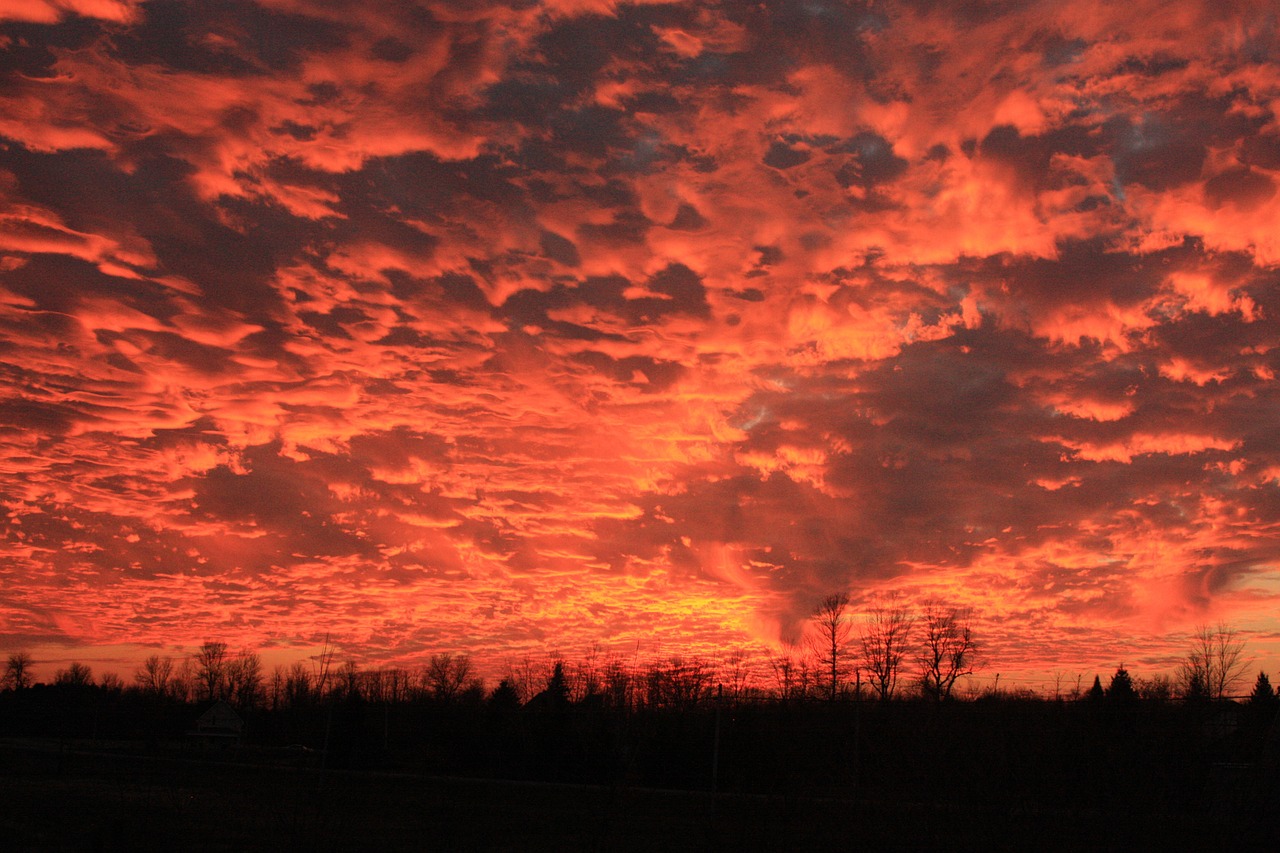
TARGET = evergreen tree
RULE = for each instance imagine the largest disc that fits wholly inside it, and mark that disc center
(1121, 687)
(557, 687)
(1095, 692)
(1197, 690)
(1262, 694)
(504, 697)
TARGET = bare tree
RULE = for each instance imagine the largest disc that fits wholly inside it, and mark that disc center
(526, 676)
(784, 674)
(1215, 663)
(586, 675)
(797, 675)
(886, 638)
(350, 679)
(395, 684)
(947, 649)
(183, 684)
(243, 677)
(211, 665)
(17, 672)
(75, 675)
(831, 641)
(298, 688)
(275, 692)
(680, 683)
(739, 672)
(154, 675)
(445, 676)
(619, 684)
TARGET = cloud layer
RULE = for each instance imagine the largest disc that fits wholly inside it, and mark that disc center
(491, 327)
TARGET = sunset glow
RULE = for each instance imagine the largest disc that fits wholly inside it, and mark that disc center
(509, 327)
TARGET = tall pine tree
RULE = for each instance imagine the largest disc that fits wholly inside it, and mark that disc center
(1121, 687)
(1262, 694)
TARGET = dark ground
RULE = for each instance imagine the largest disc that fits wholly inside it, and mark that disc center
(93, 770)
(60, 796)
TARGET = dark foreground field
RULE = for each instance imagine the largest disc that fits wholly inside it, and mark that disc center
(119, 772)
(64, 797)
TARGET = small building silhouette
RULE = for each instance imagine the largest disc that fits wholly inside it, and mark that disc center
(220, 725)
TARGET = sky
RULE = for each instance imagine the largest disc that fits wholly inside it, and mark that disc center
(507, 327)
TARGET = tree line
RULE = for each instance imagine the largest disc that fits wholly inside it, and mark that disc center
(890, 651)
(869, 706)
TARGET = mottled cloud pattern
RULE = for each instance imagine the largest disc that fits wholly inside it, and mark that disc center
(494, 327)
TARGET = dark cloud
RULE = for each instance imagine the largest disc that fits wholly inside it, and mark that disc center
(233, 38)
(386, 318)
(783, 156)
(1242, 186)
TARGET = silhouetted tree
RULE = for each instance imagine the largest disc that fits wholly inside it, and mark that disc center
(396, 684)
(1121, 687)
(1158, 688)
(504, 697)
(473, 692)
(738, 672)
(556, 693)
(619, 685)
(445, 676)
(348, 680)
(947, 649)
(527, 677)
(211, 670)
(1193, 688)
(692, 681)
(1216, 660)
(298, 689)
(886, 638)
(831, 641)
(377, 685)
(793, 673)
(1263, 694)
(585, 683)
(153, 676)
(680, 683)
(243, 677)
(75, 675)
(17, 672)
(1096, 693)
(275, 687)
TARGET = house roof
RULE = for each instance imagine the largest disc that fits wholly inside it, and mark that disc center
(220, 717)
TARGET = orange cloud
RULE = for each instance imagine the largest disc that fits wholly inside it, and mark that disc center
(492, 328)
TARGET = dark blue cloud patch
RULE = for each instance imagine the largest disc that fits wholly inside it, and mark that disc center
(1156, 152)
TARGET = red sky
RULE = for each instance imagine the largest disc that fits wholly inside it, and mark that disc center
(505, 327)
